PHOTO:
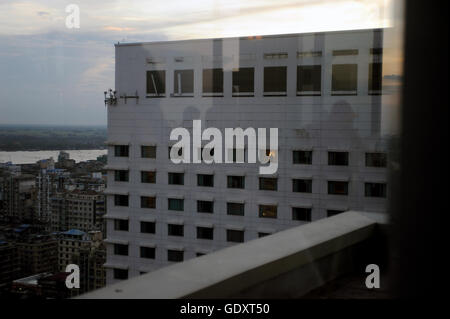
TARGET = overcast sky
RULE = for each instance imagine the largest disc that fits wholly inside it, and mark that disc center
(50, 74)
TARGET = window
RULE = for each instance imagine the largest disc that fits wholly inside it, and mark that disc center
(120, 273)
(199, 254)
(268, 183)
(148, 252)
(338, 158)
(235, 209)
(148, 202)
(278, 55)
(205, 233)
(236, 181)
(375, 78)
(183, 83)
(148, 177)
(309, 79)
(148, 151)
(268, 211)
(148, 227)
(176, 178)
(301, 213)
(176, 204)
(235, 236)
(275, 80)
(302, 185)
(333, 212)
(121, 150)
(213, 82)
(302, 157)
(121, 249)
(175, 230)
(376, 159)
(121, 224)
(156, 83)
(309, 54)
(337, 188)
(121, 176)
(261, 234)
(175, 255)
(375, 190)
(345, 52)
(244, 82)
(205, 180)
(344, 79)
(204, 206)
(121, 200)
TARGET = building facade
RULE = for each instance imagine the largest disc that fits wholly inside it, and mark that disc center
(37, 254)
(9, 263)
(323, 91)
(77, 209)
(88, 252)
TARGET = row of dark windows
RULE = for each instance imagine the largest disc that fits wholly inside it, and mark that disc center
(344, 81)
(236, 209)
(150, 253)
(265, 183)
(374, 159)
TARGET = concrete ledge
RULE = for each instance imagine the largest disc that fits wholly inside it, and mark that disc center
(305, 253)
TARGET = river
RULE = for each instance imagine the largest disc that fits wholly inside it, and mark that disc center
(30, 157)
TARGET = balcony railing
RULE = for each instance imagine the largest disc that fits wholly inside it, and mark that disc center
(287, 264)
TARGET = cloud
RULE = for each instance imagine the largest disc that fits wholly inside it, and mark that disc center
(111, 28)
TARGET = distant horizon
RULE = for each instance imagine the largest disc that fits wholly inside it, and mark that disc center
(54, 125)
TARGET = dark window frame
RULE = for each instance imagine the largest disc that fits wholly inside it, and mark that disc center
(309, 73)
(235, 236)
(302, 185)
(121, 150)
(301, 214)
(205, 233)
(175, 230)
(148, 199)
(147, 227)
(147, 252)
(332, 188)
(347, 85)
(212, 84)
(272, 84)
(299, 157)
(148, 151)
(156, 84)
(234, 213)
(177, 200)
(243, 77)
(268, 211)
(187, 89)
(201, 178)
(148, 177)
(236, 181)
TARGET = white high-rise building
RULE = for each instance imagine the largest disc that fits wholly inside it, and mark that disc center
(321, 90)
